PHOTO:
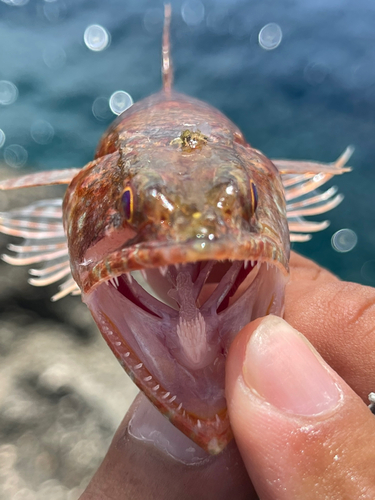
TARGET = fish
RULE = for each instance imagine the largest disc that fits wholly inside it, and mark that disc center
(176, 235)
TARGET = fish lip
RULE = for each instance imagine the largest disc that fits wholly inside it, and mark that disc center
(156, 254)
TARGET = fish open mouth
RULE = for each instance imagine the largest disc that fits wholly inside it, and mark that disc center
(171, 328)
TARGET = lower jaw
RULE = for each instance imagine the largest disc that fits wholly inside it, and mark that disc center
(148, 347)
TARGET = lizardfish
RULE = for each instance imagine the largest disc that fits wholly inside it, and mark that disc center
(176, 235)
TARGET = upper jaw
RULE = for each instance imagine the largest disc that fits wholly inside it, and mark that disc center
(261, 248)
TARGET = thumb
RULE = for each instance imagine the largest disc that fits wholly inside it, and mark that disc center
(302, 432)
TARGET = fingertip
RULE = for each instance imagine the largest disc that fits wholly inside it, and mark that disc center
(290, 413)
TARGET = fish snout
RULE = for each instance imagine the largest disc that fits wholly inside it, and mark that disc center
(208, 224)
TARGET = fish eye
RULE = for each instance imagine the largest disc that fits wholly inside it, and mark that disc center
(253, 197)
(127, 201)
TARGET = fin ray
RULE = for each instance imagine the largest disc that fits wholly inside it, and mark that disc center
(313, 200)
(40, 225)
(301, 180)
(311, 167)
(300, 238)
(318, 209)
(41, 179)
(304, 226)
(50, 278)
(167, 68)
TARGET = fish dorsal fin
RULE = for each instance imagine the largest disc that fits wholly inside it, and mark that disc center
(167, 68)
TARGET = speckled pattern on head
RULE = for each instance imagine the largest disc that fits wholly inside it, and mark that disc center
(138, 148)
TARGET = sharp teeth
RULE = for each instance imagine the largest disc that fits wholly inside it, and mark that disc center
(199, 424)
(106, 282)
(129, 277)
(245, 263)
(179, 407)
(163, 270)
(143, 272)
(177, 266)
(116, 281)
(166, 395)
(267, 265)
(252, 263)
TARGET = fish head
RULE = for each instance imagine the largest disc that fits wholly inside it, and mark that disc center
(177, 242)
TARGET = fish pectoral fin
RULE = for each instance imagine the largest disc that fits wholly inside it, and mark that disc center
(44, 242)
(41, 179)
(310, 167)
(301, 181)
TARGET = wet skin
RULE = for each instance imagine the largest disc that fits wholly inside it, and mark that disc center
(338, 318)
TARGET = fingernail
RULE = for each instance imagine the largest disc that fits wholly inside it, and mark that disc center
(282, 367)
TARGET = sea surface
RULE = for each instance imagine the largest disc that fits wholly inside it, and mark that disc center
(307, 93)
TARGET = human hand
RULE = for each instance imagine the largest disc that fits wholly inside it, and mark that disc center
(313, 439)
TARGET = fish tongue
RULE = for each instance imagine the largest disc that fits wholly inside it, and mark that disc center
(192, 331)
(160, 283)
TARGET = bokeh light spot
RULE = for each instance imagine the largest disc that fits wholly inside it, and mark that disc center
(2, 138)
(192, 12)
(344, 240)
(42, 132)
(8, 92)
(315, 73)
(153, 21)
(54, 12)
(100, 109)
(270, 36)
(54, 57)
(96, 37)
(15, 155)
(120, 101)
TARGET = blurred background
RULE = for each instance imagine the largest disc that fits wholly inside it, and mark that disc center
(297, 76)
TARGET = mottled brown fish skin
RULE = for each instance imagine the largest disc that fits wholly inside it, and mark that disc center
(140, 146)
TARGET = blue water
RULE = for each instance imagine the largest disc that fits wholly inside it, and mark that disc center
(309, 98)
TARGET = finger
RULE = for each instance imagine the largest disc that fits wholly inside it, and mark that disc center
(301, 430)
(302, 268)
(338, 318)
(151, 459)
